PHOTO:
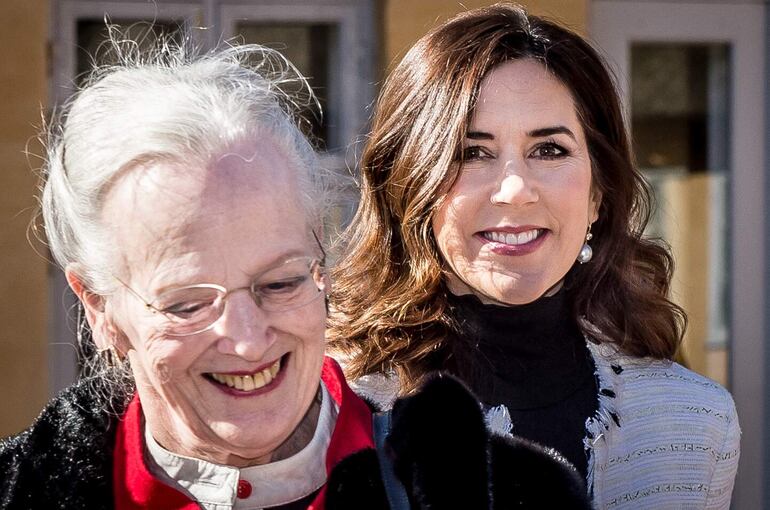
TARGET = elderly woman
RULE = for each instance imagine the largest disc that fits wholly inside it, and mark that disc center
(185, 207)
(500, 238)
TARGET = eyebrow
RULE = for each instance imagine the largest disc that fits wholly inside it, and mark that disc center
(274, 263)
(535, 133)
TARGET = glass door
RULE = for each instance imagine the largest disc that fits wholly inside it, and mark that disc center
(692, 79)
(680, 126)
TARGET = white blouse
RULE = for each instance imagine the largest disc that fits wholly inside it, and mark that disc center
(215, 486)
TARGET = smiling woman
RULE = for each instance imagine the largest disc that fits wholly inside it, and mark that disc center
(500, 238)
(524, 151)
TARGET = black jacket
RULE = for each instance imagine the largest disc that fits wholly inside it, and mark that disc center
(64, 460)
(439, 445)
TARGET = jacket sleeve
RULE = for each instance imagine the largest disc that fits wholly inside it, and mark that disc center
(10, 455)
(726, 464)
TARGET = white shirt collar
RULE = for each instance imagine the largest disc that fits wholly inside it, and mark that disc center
(215, 486)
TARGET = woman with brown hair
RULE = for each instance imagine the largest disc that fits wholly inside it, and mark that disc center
(500, 238)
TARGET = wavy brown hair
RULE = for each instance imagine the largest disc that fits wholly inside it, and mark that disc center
(389, 296)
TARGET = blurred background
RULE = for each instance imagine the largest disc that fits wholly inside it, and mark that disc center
(693, 76)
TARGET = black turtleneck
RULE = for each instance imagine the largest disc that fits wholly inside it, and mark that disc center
(533, 359)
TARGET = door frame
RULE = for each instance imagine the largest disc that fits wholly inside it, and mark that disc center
(613, 25)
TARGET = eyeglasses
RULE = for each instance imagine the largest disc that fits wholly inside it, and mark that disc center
(196, 308)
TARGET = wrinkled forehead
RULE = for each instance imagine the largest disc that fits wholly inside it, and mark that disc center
(157, 209)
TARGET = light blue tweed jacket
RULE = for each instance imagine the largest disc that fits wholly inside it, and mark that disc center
(663, 437)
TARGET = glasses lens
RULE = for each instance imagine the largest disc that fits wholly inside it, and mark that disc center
(295, 283)
(190, 309)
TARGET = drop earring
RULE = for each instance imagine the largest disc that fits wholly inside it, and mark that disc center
(586, 253)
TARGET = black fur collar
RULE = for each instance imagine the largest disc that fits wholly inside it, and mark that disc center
(64, 460)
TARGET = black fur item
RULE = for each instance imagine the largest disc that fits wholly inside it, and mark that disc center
(447, 460)
(64, 461)
(439, 441)
(355, 484)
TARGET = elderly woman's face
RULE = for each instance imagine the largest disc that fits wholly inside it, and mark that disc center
(515, 220)
(228, 224)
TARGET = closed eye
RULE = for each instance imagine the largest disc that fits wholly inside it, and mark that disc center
(284, 286)
(187, 308)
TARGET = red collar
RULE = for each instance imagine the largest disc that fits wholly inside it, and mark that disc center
(135, 487)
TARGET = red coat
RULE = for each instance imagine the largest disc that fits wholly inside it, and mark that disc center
(136, 488)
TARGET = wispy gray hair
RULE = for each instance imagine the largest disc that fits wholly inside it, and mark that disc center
(169, 103)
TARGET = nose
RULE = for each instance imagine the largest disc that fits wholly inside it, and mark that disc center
(515, 186)
(244, 330)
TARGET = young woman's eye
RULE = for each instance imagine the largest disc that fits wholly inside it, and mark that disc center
(549, 150)
(474, 153)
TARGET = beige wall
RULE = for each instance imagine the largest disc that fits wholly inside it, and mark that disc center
(23, 285)
(405, 21)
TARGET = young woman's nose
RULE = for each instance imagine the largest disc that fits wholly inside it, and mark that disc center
(245, 329)
(514, 186)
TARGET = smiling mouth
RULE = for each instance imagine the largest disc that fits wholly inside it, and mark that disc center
(513, 239)
(248, 382)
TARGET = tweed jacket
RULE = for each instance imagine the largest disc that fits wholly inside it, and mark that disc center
(663, 437)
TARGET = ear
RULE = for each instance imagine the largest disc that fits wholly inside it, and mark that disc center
(94, 307)
(594, 204)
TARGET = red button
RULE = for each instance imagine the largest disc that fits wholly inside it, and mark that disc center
(244, 489)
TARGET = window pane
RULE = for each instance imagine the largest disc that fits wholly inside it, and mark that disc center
(309, 47)
(679, 101)
(93, 35)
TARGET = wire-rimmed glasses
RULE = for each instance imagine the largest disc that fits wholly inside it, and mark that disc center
(196, 308)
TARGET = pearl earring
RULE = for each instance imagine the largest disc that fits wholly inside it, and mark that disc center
(586, 253)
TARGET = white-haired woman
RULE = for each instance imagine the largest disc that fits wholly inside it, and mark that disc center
(185, 207)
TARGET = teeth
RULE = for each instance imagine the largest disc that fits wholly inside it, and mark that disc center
(249, 382)
(513, 239)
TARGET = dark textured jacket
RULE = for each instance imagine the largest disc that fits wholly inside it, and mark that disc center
(64, 460)
(439, 444)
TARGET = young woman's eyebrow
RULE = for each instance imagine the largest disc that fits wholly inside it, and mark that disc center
(479, 135)
(535, 133)
(552, 130)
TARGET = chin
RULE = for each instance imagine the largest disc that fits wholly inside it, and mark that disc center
(248, 445)
(515, 291)
(248, 427)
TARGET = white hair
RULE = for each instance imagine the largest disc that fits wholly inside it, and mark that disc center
(167, 104)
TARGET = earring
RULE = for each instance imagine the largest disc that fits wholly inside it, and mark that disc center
(586, 253)
(111, 356)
